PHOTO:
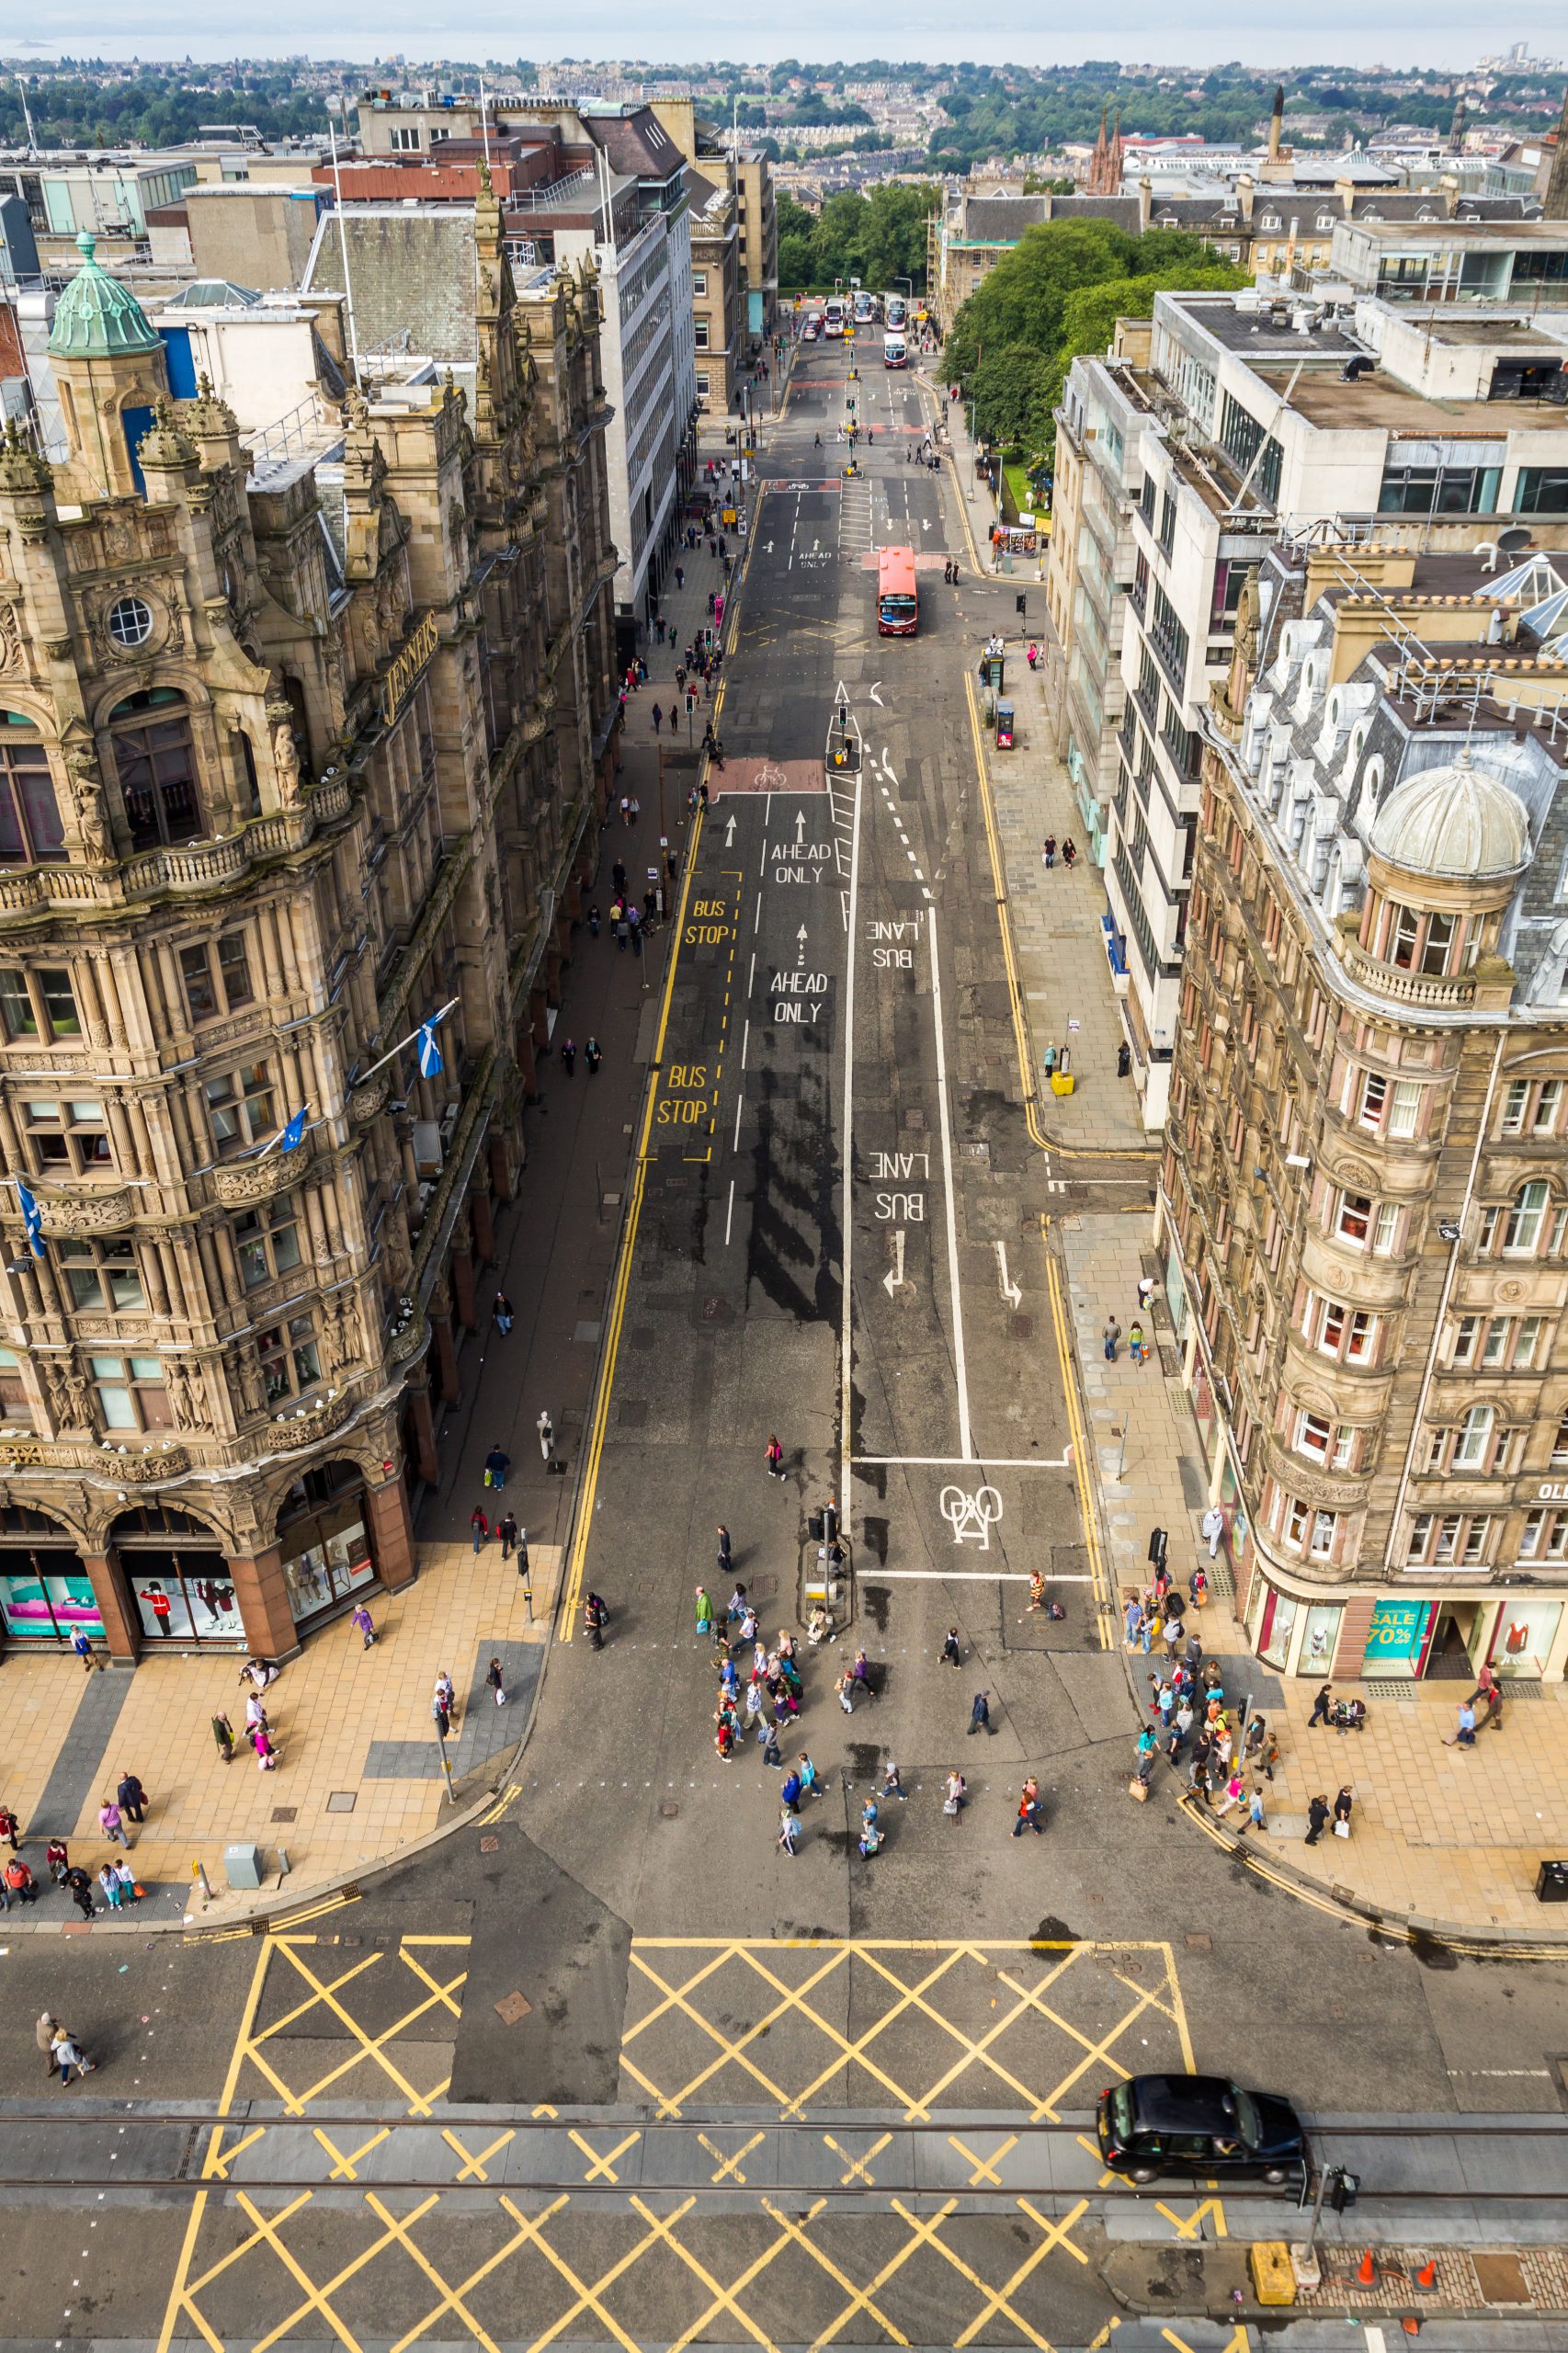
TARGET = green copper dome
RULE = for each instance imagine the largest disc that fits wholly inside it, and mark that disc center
(96, 317)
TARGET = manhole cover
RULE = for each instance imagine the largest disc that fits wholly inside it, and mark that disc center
(285, 1813)
(631, 1413)
(1199, 1942)
(489, 1845)
(669, 1808)
(511, 2007)
(342, 1800)
(716, 1311)
(1022, 1326)
(978, 1150)
(1501, 2278)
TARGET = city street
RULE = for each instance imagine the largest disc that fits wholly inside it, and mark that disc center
(606, 2065)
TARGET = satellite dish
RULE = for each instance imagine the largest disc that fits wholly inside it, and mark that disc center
(1516, 536)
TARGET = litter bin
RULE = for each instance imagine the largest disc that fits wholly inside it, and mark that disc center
(1552, 1883)
(242, 1866)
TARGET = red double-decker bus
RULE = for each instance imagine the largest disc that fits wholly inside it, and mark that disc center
(898, 600)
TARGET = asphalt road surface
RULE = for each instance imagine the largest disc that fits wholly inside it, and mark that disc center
(839, 1236)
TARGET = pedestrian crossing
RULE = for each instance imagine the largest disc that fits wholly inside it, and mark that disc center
(855, 517)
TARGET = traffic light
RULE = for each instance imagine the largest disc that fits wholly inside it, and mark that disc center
(1019, 602)
(1344, 2189)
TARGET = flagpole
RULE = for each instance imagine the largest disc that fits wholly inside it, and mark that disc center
(382, 1061)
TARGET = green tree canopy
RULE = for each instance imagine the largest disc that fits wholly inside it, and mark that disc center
(1055, 297)
(878, 237)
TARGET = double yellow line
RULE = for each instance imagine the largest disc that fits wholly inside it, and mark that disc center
(582, 1526)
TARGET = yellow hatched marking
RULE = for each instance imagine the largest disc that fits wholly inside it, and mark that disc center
(984, 2167)
(730, 2166)
(218, 2161)
(999, 2300)
(344, 2168)
(1099, 2343)
(861, 2300)
(860, 2167)
(724, 2299)
(588, 2299)
(1146, 2000)
(451, 2299)
(367, 2046)
(856, 2051)
(473, 2168)
(1107, 2179)
(602, 2168)
(1188, 2226)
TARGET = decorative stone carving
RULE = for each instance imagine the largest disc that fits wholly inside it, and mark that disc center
(408, 1341)
(365, 1102)
(303, 1428)
(70, 1400)
(86, 789)
(88, 1213)
(163, 1462)
(257, 1180)
(285, 755)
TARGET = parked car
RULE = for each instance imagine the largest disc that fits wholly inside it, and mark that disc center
(811, 331)
(1197, 2124)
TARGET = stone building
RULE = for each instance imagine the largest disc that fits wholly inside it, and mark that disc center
(1365, 1193)
(289, 762)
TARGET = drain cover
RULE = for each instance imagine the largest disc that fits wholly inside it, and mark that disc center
(511, 2007)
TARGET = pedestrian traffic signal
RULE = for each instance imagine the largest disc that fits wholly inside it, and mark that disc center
(1019, 602)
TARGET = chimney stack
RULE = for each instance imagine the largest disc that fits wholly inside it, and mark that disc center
(1276, 122)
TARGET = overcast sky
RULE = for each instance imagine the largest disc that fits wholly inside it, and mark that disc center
(1432, 32)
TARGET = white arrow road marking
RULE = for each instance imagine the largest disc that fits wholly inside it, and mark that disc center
(875, 696)
(894, 1279)
(801, 950)
(841, 692)
(730, 831)
(924, 523)
(1010, 1291)
(800, 824)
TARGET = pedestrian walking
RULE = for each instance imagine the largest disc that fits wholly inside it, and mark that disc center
(980, 1713)
(725, 1550)
(57, 1859)
(775, 1458)
(479, 1528)
(83, 1647)
(891, 1787)
(79, 1888)
(1344, 1805)
(1036, 1591)
(10, 1828)
(596, 1618)
(1255, 1820)
(1317, 1815)
(108, 1880)
(492, 1677)
(592, 1053)
(497, 1462)
(789, 1790)
(129, 1891)
(546, 1430)
(952, 1650)
(1136, 1347)
(1144, 1757)
(507, 1529)
(704, 1614)
(365, 1626)
(1213, 1525)
(1028, 1816)
(1322, 1706)
(1047, 847)
(441, 1711)
(69, 2056)
(788, 1831)
(502, 1307)
(44, 2032)
(111, 1823)
(20, 1881)
(266, 1754)
(846, 1687)
(955, 1794)
(1233, 1796)
(658, 718)
(1111, 1336)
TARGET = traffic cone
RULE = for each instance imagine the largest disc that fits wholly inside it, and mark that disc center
(1427, 2275)
(1367, 2271)
(1411, 2325)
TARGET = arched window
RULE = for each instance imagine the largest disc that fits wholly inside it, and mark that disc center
(1521, 1237)
(155, 760)
(30, 818)
(1473, 1443)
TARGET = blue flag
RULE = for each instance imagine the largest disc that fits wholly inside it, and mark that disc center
(294, 1133)
(429, 1052)
(32, 1219)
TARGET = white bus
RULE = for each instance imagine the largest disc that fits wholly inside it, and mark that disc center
(832, 316)
(893, 348)
(894, 310)
(865, 307)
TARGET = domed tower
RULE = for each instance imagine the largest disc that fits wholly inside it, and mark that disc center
(1447, 850)
(108, 365)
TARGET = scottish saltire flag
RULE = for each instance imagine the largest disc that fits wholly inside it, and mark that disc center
(32, 1219)
(429, 1052)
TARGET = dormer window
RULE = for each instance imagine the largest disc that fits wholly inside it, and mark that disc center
(1271, 220)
